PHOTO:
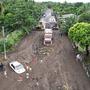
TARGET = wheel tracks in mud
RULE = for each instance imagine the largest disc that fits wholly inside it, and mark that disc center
(64, 74)
(29, 41)
(52, 57)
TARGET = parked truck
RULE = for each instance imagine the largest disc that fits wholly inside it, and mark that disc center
(48, 35)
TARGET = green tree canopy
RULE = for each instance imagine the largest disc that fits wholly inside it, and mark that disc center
(84, 17)
(66, 23)
(18, 13)
(80, 33)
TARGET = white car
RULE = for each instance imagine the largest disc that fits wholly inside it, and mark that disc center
(17, 67)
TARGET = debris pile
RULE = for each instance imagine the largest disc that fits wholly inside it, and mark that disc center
(44, 51)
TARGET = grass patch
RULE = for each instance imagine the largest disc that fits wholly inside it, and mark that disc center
(87, 60)
(12, 39)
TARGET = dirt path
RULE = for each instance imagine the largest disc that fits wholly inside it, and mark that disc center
(56, 70)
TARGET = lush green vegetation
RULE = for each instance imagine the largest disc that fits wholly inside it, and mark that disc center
(18, 14)
(85, 17)
(66, 23)
(80, 34)
(12, 39)
(19, 17)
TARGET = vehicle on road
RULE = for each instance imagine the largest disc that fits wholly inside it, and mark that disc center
(17, 67)
(48, 35)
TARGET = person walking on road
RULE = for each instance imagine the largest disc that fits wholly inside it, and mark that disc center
(5, 73)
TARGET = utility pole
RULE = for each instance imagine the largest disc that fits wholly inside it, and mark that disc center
(5, 57)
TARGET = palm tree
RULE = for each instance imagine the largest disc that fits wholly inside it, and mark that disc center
(1, 8)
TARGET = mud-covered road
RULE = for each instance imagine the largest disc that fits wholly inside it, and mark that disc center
(53, 67)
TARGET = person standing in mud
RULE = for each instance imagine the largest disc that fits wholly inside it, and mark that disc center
(78, 58)
(5, 72)
(1, 66)
(61, 33)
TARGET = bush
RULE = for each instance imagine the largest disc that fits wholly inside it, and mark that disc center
(12, 39)
(80, 34)
(85, 17)
(66, 23)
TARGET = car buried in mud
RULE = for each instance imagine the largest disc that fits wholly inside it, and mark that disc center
(17, 67)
